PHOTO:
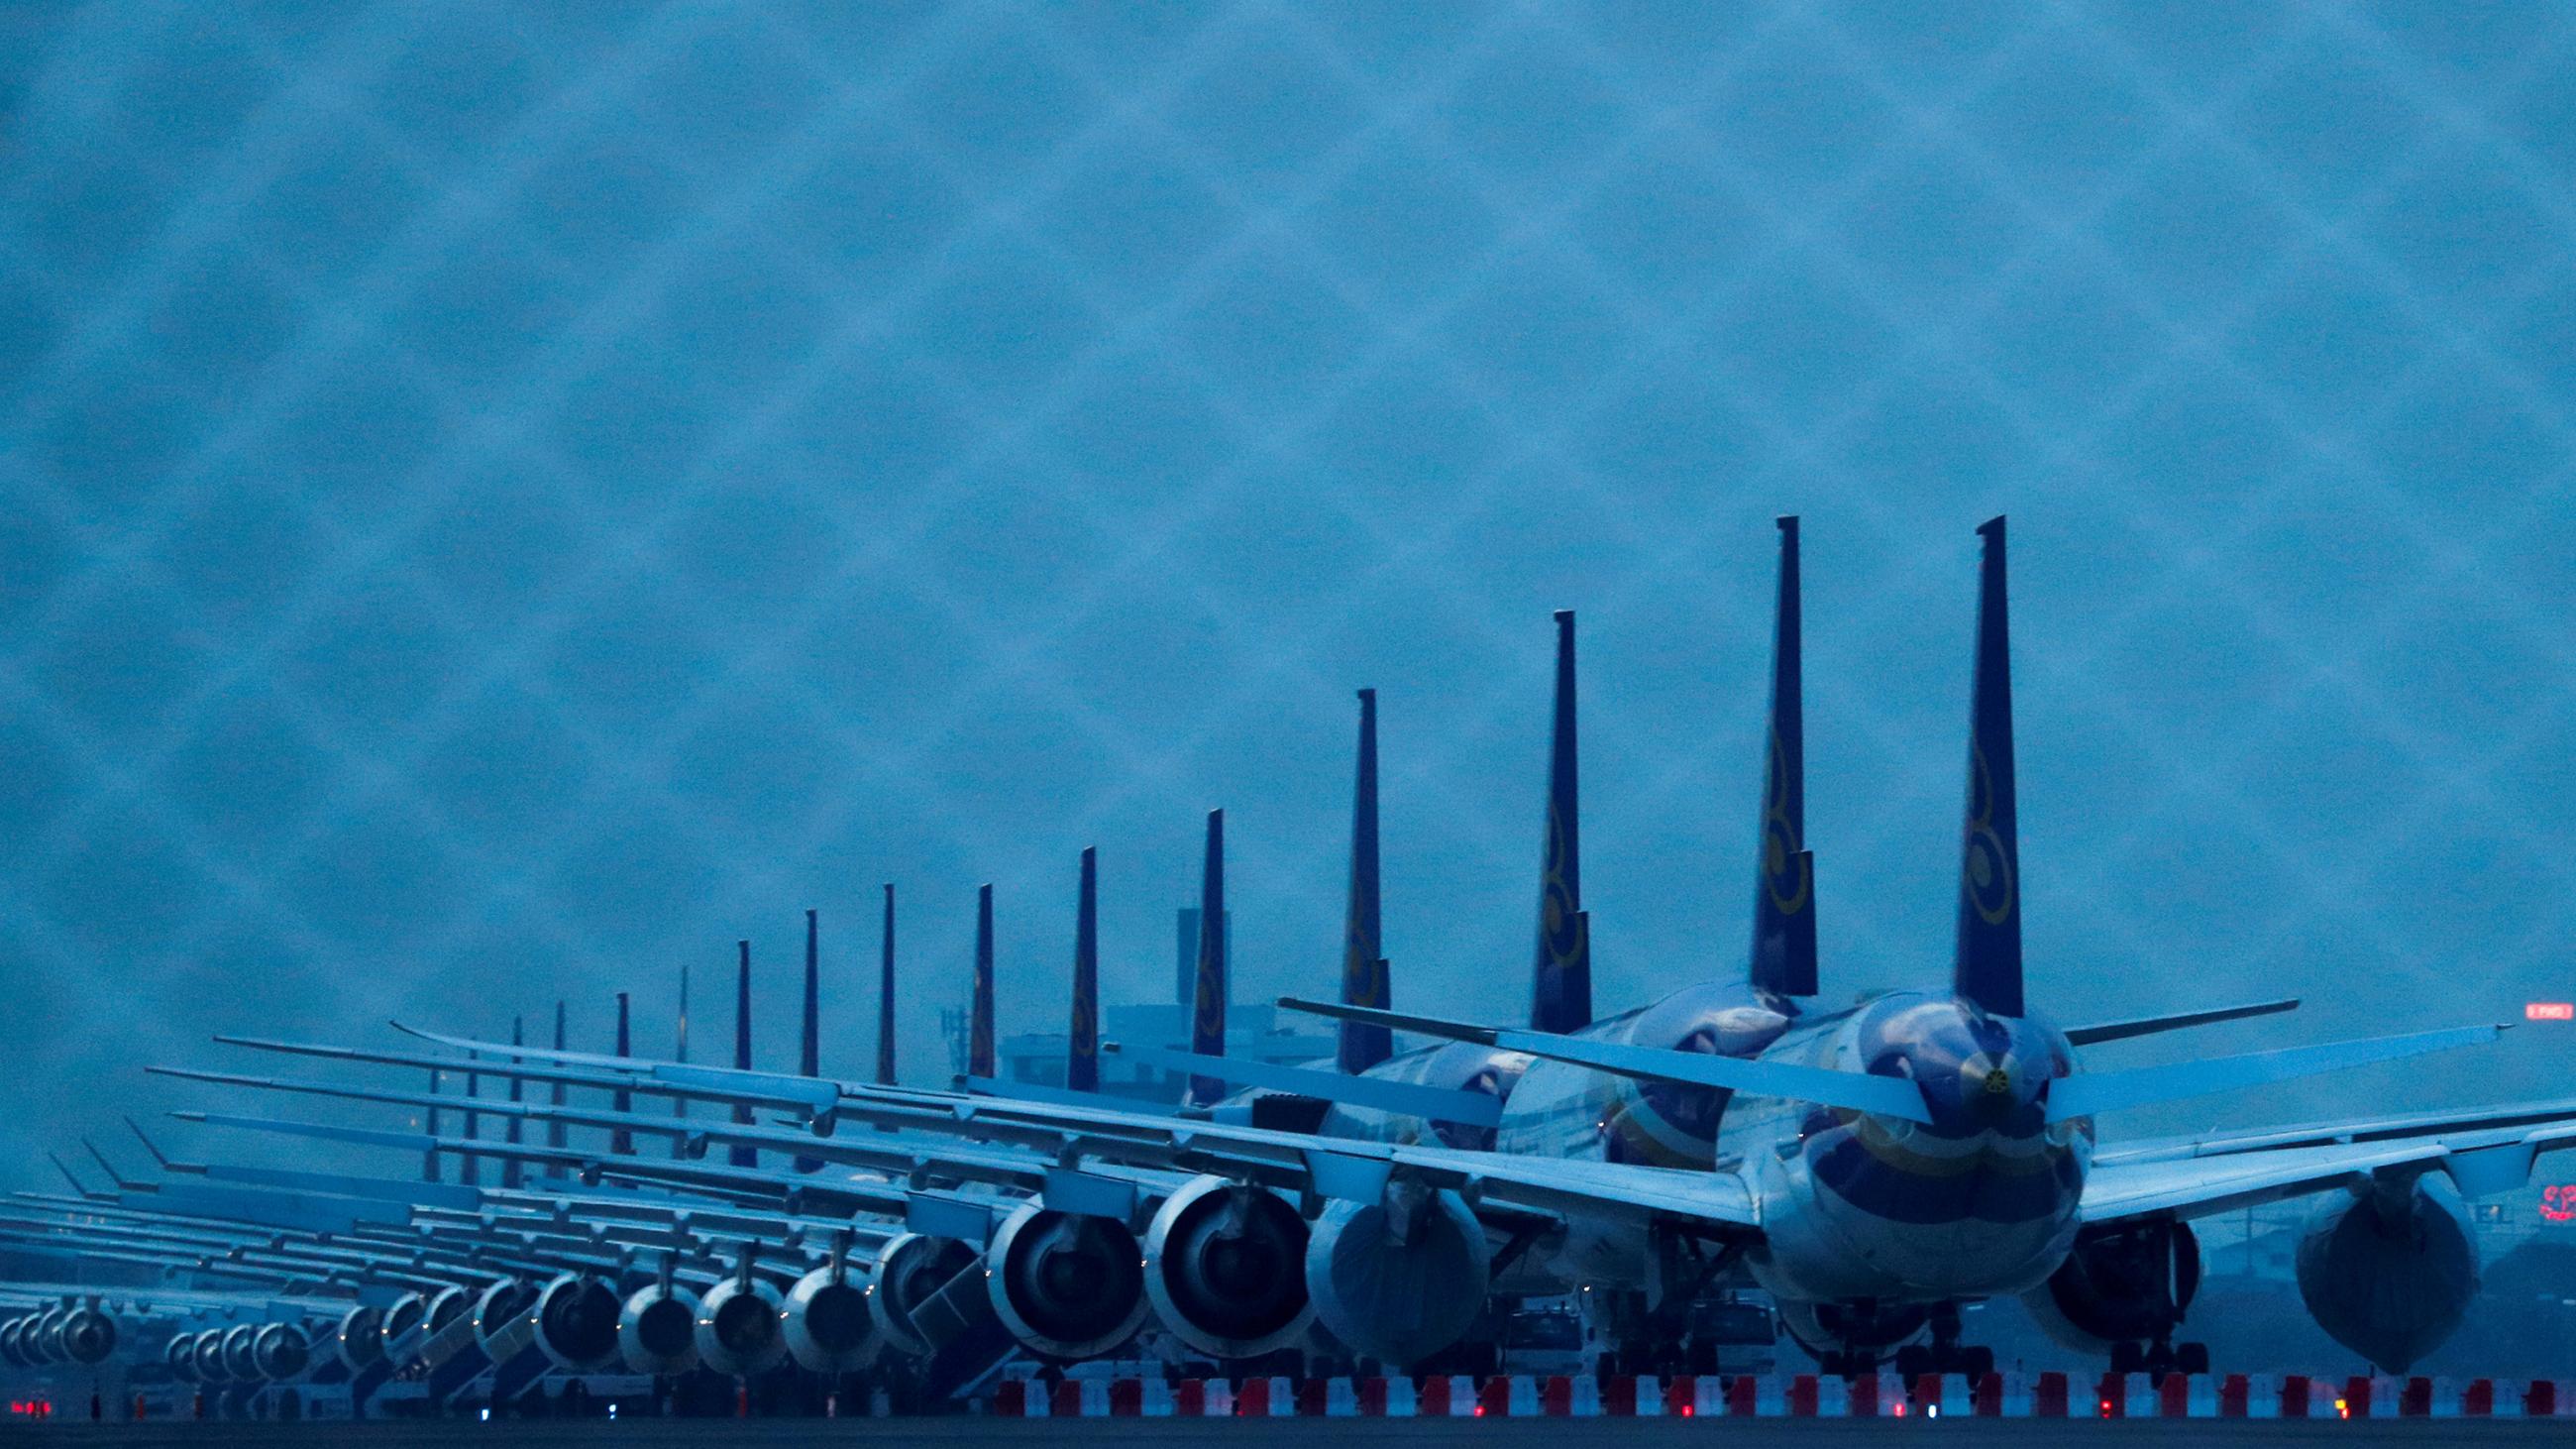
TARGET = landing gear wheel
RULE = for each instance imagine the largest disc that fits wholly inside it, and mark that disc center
(1976, 1363)
(2192, 1358)
(2128, 1358)
(1914, 1361)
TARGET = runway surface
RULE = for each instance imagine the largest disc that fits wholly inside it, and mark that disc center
(964, 1433)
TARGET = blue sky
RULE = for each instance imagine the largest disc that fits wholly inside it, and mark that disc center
(498, 505)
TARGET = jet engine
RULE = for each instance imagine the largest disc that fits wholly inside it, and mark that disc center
(577, 1322)
(658, 1331)
(2388, 1272)
(280, 1351)
(505, 1318)
(2128, 1283)
(1066, 1286)
(180, 1354)
(89, 1336)
(362, 1338)
(738, 1328)
(45, 1336)
(400, 1318)
(1399, 1281)
(207, 1349)
(240, 1364)
(910, 1268)
(1225, 1266)
(828, 1327)
(15, 1356)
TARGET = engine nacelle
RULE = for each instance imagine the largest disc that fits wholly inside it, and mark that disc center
(827, 1322)
(577, 1323)
(89, 1336)
(910, 1268)
(2389, 1273)
(2123, 1284)
(241, 1365)
(281, 1351)
(1396, 1290)
(1225, 1266)
(738, 1328)
(658, 1331)
(11, 1333)
(179, 1355)
(505, 1318)
(207, 1348)
(400, 1320)
(45, 1336)
(1065, 1285)
(362, 1338)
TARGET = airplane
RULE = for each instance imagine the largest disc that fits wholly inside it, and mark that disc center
(1873, 1167)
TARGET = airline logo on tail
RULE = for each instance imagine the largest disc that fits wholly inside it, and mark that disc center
(1988, 877)
(1787, 870)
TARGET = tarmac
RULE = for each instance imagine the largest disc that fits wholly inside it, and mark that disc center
(962, 1433)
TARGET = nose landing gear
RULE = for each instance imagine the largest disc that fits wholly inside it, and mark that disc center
(1944, 1354)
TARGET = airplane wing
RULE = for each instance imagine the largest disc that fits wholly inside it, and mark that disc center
(2479, 1160)
(2337, 1133)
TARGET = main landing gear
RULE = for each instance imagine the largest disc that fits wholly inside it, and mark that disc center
(1944, 1354)
(2159, 1358)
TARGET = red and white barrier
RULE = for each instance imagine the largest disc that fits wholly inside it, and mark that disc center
(2010, 1395)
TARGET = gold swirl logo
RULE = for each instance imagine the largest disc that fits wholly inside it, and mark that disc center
(1361, 985)
(1989, 867)
(1556, 903)
(1086, 1026)
(1785, 874)
(1207, 1007)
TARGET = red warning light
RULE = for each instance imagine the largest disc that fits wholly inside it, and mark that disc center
(2549, 1011)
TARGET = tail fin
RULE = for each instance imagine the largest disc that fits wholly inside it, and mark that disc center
(514, 1171)
(738, 1154)
(979, 1013)
(1561, 1000)
(429, 1159)
(620, 1141)
(1364, 976)
(885, 998)
(680, 1105)
(469, 1168)
(1207, 990)
(555, 1127)
(1988, 967)
(1082, 1043)
(809, 1036)
(1784, 900)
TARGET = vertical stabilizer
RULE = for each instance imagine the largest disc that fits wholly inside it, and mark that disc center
(1784, 898)
(1364, 976)
(514, 1172)
(885, 998)
(680, 1052)
(1082, 1042)
(1561, 999)
(554, 1128)
(621, 1141)
(1207, 987)
(979, 1010)
(429, 1159)
(809, 1031)
(469, 1167)
(739, 1154)
(1988, 967)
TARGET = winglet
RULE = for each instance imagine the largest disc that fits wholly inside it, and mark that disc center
(1561, 995)
(1363, 1045)
(1987, 969)
(1784, 898)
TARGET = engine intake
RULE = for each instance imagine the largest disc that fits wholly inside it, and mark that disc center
(1066, 1286)
(738, 1328)
(241, 1364)
(179, 1354)
(1395, 1289)
(829, 1329)
(505, 1318)
(362, 1338)
(89, 1336)
(1225, 1267)
(281, 1351)
(910, 1268)
(577, 1323)
(2389, 1272)
(658, 1332)
(207, 1348)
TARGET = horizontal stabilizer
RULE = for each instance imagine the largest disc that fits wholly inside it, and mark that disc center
(2150, 1025)
(1472, 1109)
(2083, 1096)
(1851, 1091)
